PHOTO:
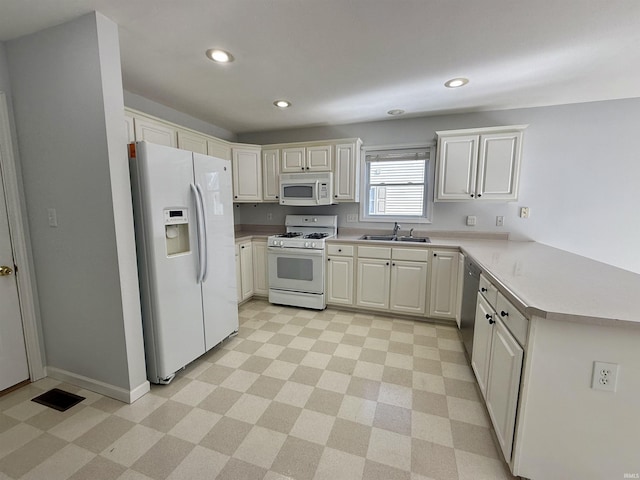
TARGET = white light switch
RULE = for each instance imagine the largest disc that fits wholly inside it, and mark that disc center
(53, 217)
(524, 212)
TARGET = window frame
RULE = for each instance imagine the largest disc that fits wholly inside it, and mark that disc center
(429, 182)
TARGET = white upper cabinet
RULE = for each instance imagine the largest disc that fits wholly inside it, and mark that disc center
(192, 141)
(346, 172)
(270, 174)
(293, 160)
(218, 148)
(312, 158)
(128, 125)
(319, 158)
(479, 164)
(247, 174)
(154, 131)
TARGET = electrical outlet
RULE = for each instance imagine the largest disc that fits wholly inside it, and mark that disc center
(53, 217)
(499, 221)
(471, 220)
(605, 376)
(269, 216)
(352, 217)
(524, 212)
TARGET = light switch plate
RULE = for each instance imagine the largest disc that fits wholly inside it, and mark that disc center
(471, 220)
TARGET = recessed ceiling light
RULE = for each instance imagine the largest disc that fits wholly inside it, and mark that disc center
(282, 104)
(395, 111)
(456, 82)
(219, 56)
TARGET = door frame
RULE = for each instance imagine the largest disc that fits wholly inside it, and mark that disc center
(21, 248)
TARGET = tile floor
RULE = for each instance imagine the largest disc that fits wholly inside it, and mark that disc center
(298, 394)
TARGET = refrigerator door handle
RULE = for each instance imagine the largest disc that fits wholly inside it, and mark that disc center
(205, 229)
(200, 232)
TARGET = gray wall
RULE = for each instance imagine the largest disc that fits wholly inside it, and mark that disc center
(579, 175)
(68, 103)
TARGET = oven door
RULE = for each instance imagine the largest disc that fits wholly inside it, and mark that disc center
(296, 269)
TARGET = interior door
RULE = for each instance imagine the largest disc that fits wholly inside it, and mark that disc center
(13, 355)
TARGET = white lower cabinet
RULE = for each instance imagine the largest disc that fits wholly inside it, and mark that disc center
(393, 279)
(245, 268)
(444, 284)
(339, 288)
(497, 363)
(260, 268)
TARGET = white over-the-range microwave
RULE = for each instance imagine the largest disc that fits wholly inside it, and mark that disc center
(306, 188)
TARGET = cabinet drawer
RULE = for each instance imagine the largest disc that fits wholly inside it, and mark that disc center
(340, 250)
(411, 254)
(489, 291)
(374, 252)
(515, 321)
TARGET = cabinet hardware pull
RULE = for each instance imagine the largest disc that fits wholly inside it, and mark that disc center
(393, 264)
(483, 289)
(387, 263)
(479, 195)
(472, 195)
(504, 314)
(491, 321)
(339, 249)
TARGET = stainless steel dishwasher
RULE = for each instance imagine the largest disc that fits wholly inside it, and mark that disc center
(469, 295)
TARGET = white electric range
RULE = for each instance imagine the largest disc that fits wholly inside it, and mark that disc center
(297, 261)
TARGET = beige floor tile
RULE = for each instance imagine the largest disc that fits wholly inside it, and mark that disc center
(431, 403)
(449, 344)
(215, 374)
(99, 468)
(200, 464)
(295, 394)
(420, 351)
(290, 330)
(348, 351)
(142, 407)
(318, 324)
(24, 410)
(334, 381)
(233, 359)
(195, 425)
(461, 389)
(266, 387)
(236, 469)
(132, 445)
(336, 464)
(392, 418)
(467, 411)
(226, 435)
(193, 393)
(302, 343)
(370, 371)
(107, 404)
(260, 336)
(431, 428)
(433, 460)
(248, 408)
(6, 423)
(400, 360)
(395, 395)
(453, 357)
(324, 401)
(356, 409)
(292, 355)
(240, 380)
(378, 471)
(313, 426)
(269, 350)
(331, 337)
(283, 339)
(104, 434)
(398, 376)
(473, 438)
(306, 375)
(361, 387)
(457, 372)
(31, 454)
(356, 340)
(479, 467)
(357, 330)
(298, 459)
(17, 436)
(61, 465)
(316, 360)
(256, 364)
(260, 447)
(220, 400)
(279, 417)
(350, 437)
(425, 341)
(163, 458)
(280, 369)
(246, 346)
(376, 344)
(166, 416)
(402, 337)
(373, 356)
(428, 382)
(390, 448)
(168, 391)
(133, 475)
(425, 365)
(382, 334)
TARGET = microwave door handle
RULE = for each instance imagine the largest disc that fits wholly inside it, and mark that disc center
(317, 191)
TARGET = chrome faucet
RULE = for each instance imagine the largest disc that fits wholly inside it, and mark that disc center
(396, 227)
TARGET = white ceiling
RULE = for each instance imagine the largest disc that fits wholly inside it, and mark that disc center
(345, 61)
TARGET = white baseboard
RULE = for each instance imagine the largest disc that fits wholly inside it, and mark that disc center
(119, 393)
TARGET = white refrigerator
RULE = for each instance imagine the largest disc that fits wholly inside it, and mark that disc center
(186, 259)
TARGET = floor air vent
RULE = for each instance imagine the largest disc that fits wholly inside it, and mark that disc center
(58, 399)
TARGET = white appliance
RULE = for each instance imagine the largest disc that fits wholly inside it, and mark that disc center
(296, 261)
(184, 237)
(306, 189)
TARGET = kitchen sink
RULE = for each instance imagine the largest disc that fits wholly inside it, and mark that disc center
(393, 238)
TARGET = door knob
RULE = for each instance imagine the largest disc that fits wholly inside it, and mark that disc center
(4, 271)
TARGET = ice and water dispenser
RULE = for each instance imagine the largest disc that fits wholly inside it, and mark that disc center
(176, 230)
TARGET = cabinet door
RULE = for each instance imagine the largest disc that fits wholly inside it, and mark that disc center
(238, 274)
(192, 142)
(408, 287)
(373, 283)
(155, 132)
(218, 148)
(503, 385)
(443, 291)
(270, 175)
(293, 160)
(260, 272)
(456, 169)
(319, 158)
(499, 166)
(247, 175)
(482, 332)
(246, 270)
(340, 280)
(345, 173)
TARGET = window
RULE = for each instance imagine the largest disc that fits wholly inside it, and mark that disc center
(397, 185)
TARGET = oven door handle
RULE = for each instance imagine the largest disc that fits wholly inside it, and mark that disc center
(295, 252)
